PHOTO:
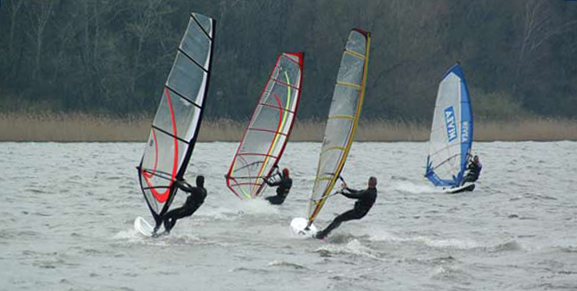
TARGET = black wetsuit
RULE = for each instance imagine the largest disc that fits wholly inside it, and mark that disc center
(366, 199)
(474, 172)
(282, 191)
(193, 202)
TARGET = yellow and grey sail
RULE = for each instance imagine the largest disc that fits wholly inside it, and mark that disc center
(342, 120)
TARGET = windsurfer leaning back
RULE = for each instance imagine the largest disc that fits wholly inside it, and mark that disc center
(366, 198)
(474, 168)
(196, 196)
(284, 183)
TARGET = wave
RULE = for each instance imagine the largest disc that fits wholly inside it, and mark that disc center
(233, 210)
(132, 236)
(568, 249)
(451, 274)
(278, 263)
(354, 247)
(451, 243)
(409, 187)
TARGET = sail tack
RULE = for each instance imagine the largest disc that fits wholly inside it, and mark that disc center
(269, 128)
(178, 117)
(451, 131)
(343, 118)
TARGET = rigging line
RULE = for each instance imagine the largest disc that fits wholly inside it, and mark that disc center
(247, 183)
(170, 134)
(201, 27)
(248, 165)
(256, 154)
(247, 177)
(155, 187)
(349, 85)
(445, 161)
(192, 60)
(349, 117)
(182, 96)
(446, 148)
(285, 84)
(354, 53)
(267, 130)
(276, 107)
(164, 175)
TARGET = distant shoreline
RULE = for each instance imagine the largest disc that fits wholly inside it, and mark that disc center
(92, 128)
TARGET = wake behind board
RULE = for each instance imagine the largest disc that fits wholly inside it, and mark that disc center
(142, 226)
(299, 227)
(464, 188)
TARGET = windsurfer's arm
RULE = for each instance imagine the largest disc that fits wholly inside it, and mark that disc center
(351, 193)
(181, 184)
(268, 182)
(276, 171)
(270, 178)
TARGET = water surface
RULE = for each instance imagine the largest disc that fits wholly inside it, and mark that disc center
(68, 208)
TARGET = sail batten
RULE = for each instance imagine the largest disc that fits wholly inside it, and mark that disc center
(342, 120)
(450, 141)
(175, 126)
(269, 128)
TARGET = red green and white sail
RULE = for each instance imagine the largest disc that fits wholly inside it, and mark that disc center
(269, 128)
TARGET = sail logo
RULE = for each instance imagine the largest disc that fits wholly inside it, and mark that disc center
(451, 123)
(465, 131)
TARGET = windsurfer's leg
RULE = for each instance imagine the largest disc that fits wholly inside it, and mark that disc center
(157, 226)
(170, 219)
(177, 214)
(275, 200)
(349, 215)
(468, 178)
(170, 224)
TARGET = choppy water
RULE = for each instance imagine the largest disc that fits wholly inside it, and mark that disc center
(67, 211)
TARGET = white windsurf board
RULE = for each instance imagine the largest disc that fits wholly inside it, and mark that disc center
(299, 227)
(463, 188)
(142, 226)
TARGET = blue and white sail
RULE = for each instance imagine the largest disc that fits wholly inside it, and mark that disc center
(451, 132)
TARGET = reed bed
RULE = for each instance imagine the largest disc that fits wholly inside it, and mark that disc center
(71, 128)
(100, 128)
(529, 129)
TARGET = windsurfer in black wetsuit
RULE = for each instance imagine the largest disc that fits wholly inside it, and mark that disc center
(366, 198)
(474, 169)
(284, 183)
(193, 202)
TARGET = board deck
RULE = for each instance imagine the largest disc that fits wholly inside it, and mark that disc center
(298, 226)
(142, 226)
(466, 187)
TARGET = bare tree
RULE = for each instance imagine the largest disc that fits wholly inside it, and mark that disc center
(39, 14)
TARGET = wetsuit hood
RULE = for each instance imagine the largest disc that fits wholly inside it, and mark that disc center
(372, 182)
(200, 181)
(285, 172)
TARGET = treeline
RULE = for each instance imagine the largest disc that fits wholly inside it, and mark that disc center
(112, 56)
